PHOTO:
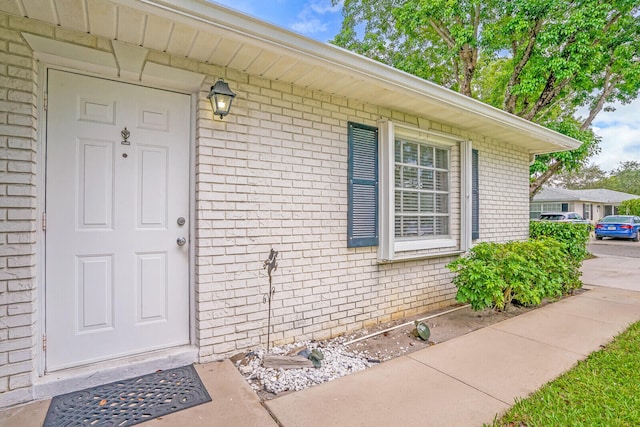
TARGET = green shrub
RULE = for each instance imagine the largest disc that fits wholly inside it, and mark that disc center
(574, 237)
(493, 275)
(630, 207)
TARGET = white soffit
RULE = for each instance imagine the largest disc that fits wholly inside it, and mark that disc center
(127, 61)
(202, 31)
(372, 78)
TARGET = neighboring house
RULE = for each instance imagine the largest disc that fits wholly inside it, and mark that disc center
(135, 224)
(593, 205)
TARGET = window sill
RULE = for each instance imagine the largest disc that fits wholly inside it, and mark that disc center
(416, 245)
(419, 257)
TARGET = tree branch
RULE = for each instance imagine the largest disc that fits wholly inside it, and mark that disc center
(609, 86)
(536, 185)
(549, 93)
(510, 99)
(443, 32)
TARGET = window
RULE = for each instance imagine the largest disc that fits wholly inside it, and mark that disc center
(421, 211)
(421, 184)
(535, 210)
(400, 190)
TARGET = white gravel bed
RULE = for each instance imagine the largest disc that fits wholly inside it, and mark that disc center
(338, 361)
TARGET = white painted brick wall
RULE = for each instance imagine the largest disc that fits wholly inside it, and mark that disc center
(273, 174)
(17, 209)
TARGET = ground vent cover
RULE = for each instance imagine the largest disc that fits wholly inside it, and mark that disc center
(129, 402)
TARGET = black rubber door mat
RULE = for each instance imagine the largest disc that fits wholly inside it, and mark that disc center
(129, 402)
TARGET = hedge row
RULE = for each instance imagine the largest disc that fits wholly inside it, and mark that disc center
(493, 275)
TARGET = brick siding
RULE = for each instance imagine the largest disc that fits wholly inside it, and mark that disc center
(18, 123)
(273, 174)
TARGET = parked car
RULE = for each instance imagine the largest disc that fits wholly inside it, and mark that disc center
(623, 226)
(563, 217)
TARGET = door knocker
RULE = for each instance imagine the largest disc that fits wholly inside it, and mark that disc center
(125, 136)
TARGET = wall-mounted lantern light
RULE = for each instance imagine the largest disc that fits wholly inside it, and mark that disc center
(221, 97)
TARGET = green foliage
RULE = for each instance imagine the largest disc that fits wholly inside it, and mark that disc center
(573, 237)
(630, 207)
(543, 60)
(584, 178)
(625, 178)
(572, 159)
(495, 274)
(600, 391)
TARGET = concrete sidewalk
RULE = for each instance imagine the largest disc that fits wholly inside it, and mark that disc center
(612, 271)
(466, 381)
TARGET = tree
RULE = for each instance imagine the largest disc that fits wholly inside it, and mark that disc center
(538, 59)
(587, 177)
(625, 178)
(630, 207)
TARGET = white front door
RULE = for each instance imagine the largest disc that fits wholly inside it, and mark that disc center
(116, 204)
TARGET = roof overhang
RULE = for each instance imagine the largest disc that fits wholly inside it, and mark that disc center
(206, 32)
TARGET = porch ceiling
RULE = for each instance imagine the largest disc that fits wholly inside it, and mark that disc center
(210, 33)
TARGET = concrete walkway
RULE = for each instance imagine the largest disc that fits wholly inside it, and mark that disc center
(612, 271)
(233, 403)
(466, 381)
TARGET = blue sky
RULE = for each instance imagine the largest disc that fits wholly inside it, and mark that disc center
(319, 20)
(316, 19)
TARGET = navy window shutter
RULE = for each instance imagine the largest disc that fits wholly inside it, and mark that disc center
(475, 196)
(362, 222)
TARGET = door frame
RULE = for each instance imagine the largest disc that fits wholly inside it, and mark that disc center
(41, 165)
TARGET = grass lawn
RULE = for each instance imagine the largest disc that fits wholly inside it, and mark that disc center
(602, 390)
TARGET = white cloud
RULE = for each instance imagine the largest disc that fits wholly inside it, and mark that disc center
(312, 20)
(309, 26)
(325, 6)
(620, 132)
(619, 143)
(627, 113)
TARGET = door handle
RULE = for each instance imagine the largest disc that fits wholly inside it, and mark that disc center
(181, 241)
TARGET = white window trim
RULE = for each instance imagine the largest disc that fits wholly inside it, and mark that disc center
(390, 248)
(466, 199)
